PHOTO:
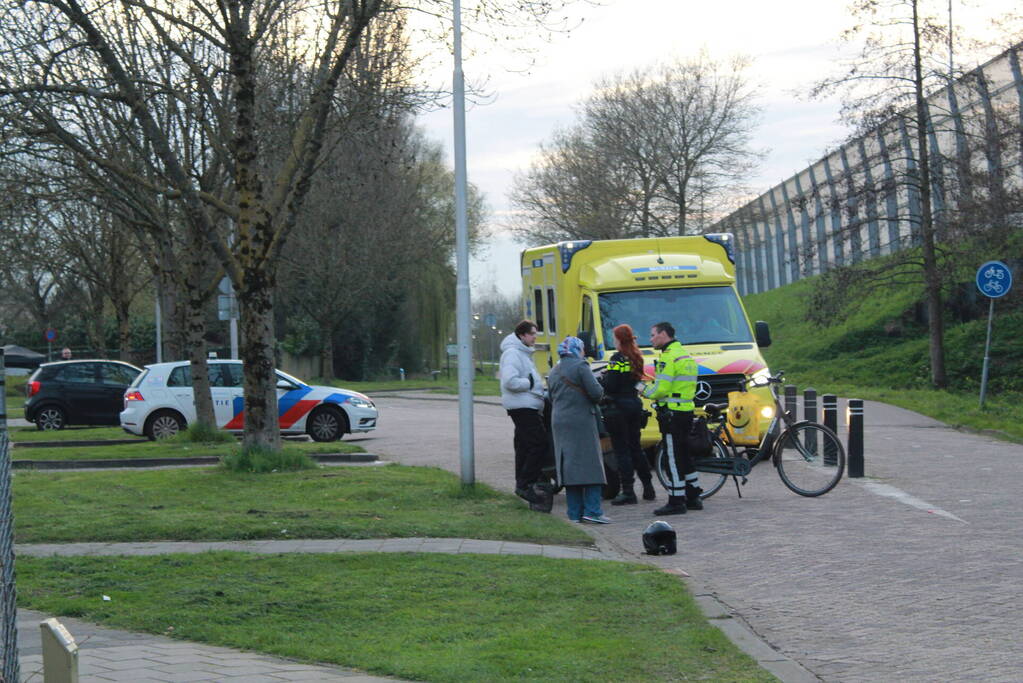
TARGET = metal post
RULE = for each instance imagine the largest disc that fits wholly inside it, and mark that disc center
(463, 309)
(855, 446)
(810, 415)
(8, 601)
(987, 352)
(790, 400)
(829, 405)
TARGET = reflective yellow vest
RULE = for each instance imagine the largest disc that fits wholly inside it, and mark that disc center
(674, 379)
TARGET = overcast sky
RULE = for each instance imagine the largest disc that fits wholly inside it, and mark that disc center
(791, 42)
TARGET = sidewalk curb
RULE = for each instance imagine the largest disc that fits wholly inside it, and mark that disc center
(725, 619)
(162, 462)
(742, 636)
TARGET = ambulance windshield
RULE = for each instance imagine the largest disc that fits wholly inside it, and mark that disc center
(700, 315)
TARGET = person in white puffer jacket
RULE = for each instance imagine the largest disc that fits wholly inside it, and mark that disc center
(522, 395)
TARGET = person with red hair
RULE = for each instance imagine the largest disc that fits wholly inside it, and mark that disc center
(624, 416)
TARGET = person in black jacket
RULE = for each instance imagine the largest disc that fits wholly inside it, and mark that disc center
(624, 417)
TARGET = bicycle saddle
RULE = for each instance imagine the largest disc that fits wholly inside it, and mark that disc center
(714, 410)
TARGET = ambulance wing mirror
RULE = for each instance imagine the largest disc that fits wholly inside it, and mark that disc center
(763, 334)
(589, 343)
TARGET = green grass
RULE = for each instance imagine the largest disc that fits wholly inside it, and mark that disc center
(169, 448)
(422, 617)
(31, 434)
(212, 504)
(259, 460)
(15, 406)
(879, 350)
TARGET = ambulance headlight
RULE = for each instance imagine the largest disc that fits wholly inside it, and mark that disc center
(767, 412)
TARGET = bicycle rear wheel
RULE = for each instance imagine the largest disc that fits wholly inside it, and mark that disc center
(710, 482)
(810, 458)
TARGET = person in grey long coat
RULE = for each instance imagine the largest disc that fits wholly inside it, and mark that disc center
(574, 393)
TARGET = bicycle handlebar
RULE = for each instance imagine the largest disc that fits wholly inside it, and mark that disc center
(762, 381)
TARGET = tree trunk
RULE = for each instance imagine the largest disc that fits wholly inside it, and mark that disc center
(95, 327)
(262, 429)
(168, 288)
(932, 279)
(327, 358)
(195, 336)
(124, 332)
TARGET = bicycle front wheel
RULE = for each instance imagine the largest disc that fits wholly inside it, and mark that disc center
(710, 482)
(810, 458)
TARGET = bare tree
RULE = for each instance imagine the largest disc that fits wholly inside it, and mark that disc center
(891, 85)
(654, 150)
(247, 221)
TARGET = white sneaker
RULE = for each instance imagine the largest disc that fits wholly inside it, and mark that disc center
(601, 519)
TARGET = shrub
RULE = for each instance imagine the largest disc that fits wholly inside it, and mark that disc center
(263, 460)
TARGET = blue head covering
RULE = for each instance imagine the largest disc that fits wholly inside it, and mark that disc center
(572, 346)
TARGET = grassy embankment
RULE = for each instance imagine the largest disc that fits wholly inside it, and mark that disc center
(878, 350)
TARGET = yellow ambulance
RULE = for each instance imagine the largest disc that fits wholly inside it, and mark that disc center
(586, 288)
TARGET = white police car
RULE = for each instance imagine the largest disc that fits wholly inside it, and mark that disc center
(159, 403)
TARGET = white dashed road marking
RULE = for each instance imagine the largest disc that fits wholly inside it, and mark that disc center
(903, 497)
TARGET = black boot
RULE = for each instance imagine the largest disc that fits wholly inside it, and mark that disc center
(676, 506)
(648, 490)
(693, 500)
(626, 497)
(543, 497)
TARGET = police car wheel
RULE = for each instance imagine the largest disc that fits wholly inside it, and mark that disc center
(327, 424)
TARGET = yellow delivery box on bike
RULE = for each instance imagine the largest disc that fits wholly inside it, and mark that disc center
(588, 287)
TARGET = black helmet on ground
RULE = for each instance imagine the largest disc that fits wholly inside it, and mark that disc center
(659, 539)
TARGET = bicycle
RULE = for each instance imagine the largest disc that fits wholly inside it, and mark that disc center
(809, 457)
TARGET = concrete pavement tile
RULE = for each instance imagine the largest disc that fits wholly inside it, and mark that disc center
(253, 677)
(320, 546)
(366, 545)
(480, 547)
(315, 675)
(515, 548)
(445, 545)
(188, 676)
(132, 675)
(561, 552)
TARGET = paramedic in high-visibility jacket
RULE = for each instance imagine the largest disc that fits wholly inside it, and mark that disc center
(672, 393)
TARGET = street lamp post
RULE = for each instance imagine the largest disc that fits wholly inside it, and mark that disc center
(462, 300)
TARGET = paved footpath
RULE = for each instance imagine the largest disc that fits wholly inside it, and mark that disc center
(913, 572)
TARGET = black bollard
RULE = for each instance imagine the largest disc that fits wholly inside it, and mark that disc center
(810, 415)
(855, 446)
(829, 405)
(790, 401)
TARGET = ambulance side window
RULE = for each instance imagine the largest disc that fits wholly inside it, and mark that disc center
(551, 317)
(586, 318)
(538, 305)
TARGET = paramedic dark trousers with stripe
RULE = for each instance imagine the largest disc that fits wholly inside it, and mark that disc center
(680, 467)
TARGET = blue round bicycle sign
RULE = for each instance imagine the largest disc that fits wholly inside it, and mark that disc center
(994, 279)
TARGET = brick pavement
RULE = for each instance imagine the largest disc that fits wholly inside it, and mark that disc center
(111, 655)
(854, 585)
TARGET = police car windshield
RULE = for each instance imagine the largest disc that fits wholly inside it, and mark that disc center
(701, 315)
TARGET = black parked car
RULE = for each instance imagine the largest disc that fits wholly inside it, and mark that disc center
(78, 392)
